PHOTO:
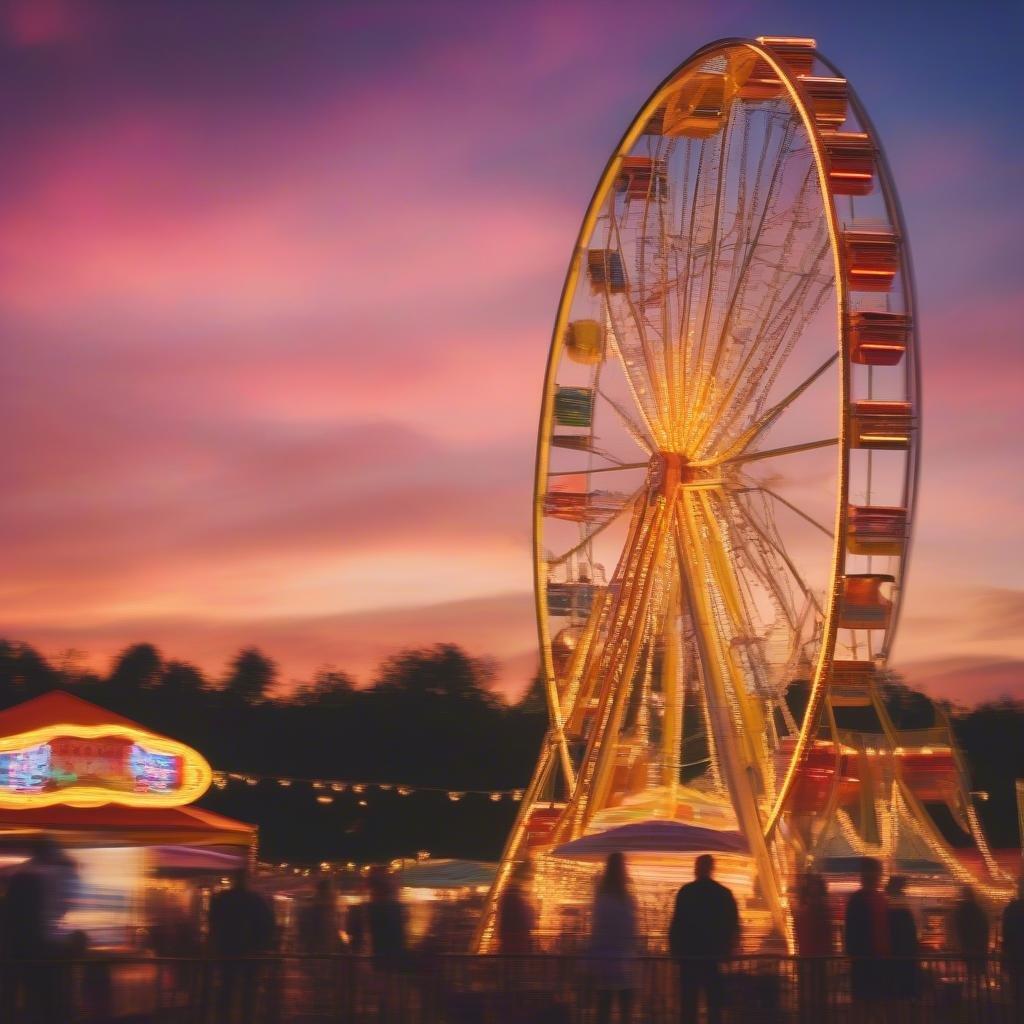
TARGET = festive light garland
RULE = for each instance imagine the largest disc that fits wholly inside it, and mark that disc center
(221, 780)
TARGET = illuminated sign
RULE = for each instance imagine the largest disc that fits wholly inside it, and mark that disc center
(86, 766)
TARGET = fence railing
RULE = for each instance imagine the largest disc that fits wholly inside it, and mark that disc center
(542, 989)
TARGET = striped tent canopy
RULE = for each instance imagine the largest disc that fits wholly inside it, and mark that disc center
(657, 836)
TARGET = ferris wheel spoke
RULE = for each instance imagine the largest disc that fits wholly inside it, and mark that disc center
(775, 543)
(774, 296)
(635, 431)
(744, 215)
(764, 351)
(763, 362)
(617, 468)
(654, 380)
(750, 435)
(686, 297)
(752, 636)
(773, 453)
(759, 553)
(748, 259)
(598, 530)
(651, 426)
(756, 554)
(752, 241)
(790, 330)
(669, 353)
(788, 504)
(713, 259)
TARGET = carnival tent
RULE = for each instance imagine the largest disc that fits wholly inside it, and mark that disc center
(112, 816)
(659, 836)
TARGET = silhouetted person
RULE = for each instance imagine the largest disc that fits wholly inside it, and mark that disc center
(705, 929)
(515, 917)
(867, 934)
(385, 921)
(38, 896)
(385, 924)
(970, 937)
(613, 941)
(904, 981)
(812, 917)
(318, 921)
(812, 921)
(1013, 948)
(317, 934)
(355, 928)
(241, 927)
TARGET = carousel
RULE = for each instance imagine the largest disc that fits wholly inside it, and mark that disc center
(115, 798)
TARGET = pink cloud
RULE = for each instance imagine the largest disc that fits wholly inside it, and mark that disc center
(31, 23)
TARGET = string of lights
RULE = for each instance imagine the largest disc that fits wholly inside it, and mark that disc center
(325, 789)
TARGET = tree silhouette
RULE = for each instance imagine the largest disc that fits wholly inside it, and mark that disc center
(329, 689)
(535, 699)
(444, 670)
(181, 679)
(250, 675)
(139, 667)
(24, 673)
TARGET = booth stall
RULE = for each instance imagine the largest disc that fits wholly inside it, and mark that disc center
(114, 797)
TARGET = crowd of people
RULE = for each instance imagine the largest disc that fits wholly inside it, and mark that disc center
(878, 936)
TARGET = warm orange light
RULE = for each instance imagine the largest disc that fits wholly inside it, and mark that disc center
(884, 438)
(196, 774)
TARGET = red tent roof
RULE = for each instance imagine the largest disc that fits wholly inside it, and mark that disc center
(114, 824)
(58, 708)
(115, 816)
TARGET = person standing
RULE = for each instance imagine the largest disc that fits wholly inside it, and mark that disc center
(386, 929)
(867, 934)
(613, 941)
(318, 921)
(39, 894)
(970, 925)
(705, 929)
(813, 926)
(903, 945)
(970, 938)
(516, 918)
(241, 927)
(1013, 948)
(385, 920)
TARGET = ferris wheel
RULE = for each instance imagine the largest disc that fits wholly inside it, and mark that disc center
(728, 428)
(726, 461)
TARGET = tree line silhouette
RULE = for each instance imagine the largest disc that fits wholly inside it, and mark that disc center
(430, 718)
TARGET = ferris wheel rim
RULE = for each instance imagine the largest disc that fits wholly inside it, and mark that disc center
(801, 106)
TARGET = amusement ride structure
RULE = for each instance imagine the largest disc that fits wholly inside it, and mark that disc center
(725, 483)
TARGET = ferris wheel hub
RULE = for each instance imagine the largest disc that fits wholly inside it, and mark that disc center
(671, 470)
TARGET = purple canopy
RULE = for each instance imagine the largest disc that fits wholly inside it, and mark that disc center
(656, 836)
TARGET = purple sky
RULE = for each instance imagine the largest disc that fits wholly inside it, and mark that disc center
(277, 289)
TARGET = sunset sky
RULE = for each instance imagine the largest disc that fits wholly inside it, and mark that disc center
(277, 283)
